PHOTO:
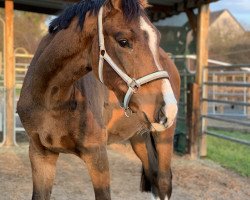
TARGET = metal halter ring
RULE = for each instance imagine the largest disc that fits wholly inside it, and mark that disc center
(128, 112)
(103, 52)
(134, 85)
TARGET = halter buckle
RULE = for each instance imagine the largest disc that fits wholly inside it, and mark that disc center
(134, 85)
(102, 52)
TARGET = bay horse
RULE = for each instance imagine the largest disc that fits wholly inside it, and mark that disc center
(98, 77)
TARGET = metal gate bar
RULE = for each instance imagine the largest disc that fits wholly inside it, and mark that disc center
(227, 102)
(227, 120)
(228, 138)
(242, 70)
(227, 84)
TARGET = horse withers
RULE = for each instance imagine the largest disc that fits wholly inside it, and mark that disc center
(99, 77)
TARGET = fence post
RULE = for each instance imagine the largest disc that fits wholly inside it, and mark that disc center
(193, 116)
(202, 61)
(1, 63)
(245, 93)
(10, 72)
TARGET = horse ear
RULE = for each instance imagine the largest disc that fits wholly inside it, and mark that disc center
(144, 3)
(116, 4)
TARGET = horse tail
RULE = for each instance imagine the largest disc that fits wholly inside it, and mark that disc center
(148, 179)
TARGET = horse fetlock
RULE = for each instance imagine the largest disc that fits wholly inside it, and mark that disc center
(102, 193)
(41, 196)
(158, 198)
(165, 186)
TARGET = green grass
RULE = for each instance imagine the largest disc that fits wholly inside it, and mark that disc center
(18, 91)
(229, 154)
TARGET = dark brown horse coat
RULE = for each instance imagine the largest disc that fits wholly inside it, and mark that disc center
(65, 109)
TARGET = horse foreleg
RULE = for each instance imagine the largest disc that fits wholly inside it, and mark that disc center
(43, 164)
(138, 143)
(96, 160)
(164, 147)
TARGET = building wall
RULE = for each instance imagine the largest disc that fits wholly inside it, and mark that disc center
(226, 27)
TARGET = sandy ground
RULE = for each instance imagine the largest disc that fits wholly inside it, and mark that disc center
(193, 180)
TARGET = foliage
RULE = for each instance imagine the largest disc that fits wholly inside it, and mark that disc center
(229, 154)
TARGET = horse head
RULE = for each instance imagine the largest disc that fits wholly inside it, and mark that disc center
(124, 53)
(121, 46)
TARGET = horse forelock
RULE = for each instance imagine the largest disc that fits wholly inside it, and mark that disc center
(130, 9)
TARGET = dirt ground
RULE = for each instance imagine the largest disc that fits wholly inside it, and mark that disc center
(193, 180)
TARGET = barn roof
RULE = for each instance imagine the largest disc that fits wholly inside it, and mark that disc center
(170, 7)
(215, 15)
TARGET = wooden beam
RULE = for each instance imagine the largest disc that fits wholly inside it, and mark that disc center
(193, 110)
(171, 9)
(202, 61)
(192, 18)
(10, 72)
(202, 41)
(1, 63)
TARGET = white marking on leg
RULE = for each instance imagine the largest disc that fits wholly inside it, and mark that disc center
(154, 198)
(171, 107)
(157, 198)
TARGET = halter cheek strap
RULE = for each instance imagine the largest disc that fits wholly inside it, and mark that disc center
(133, 84)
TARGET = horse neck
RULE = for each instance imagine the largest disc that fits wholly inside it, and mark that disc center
(61, 63)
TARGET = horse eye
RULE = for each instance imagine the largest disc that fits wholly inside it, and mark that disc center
(123, 43)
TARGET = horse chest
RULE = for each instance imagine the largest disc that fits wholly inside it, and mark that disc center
(59, 130)
(121, 128)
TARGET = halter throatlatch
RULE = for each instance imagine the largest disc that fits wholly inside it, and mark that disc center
(133, 84)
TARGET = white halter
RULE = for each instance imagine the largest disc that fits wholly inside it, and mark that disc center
(133, 84)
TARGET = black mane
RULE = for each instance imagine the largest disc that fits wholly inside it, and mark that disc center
(131, 9)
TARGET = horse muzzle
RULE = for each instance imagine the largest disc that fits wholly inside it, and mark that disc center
(158, 127)
(161, 126)
(166, 118)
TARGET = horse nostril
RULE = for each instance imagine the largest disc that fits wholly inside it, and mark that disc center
(163, 120)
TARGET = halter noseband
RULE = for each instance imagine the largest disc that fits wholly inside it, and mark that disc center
(133, 84)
